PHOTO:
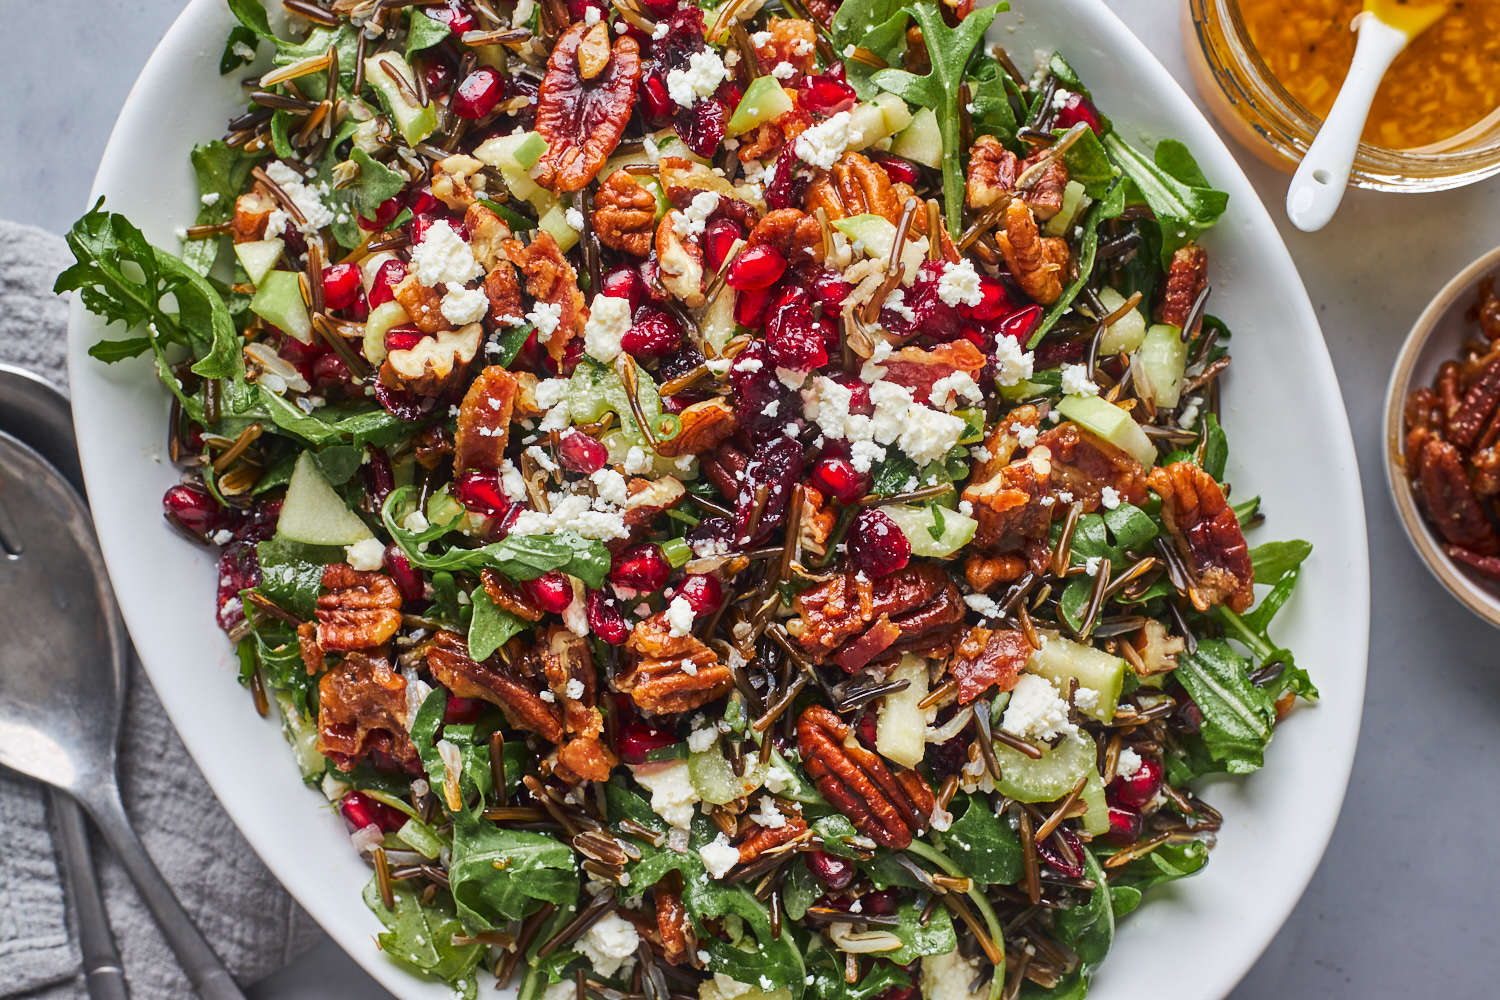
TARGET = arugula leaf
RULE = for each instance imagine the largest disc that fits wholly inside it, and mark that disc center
(338, 462)
(423, 32)
(757, 953)
(1237, 715)
(110, 351)
(1274, 560)
(222, 172)
(376, 182)
(1213, 447)
(799, 890)
(292, 573)
(990, 93)
(510, 344)
(937, 938)
(280, 657)
(876, 25)
(1253, 631)
(103, 243)
(829, 984)
(1089, 929)
(502, 875)
(984, 845)
(253, 16)
(1089, 164)
(1167, 863)
(491, 627)
(422, 936)
(1178, 193)
(233, 58)
(949, 50)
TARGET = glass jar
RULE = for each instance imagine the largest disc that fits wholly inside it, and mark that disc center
(1256, 109)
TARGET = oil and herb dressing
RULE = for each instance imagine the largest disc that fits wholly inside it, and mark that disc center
(1447, 80)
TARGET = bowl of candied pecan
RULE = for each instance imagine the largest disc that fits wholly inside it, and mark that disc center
(1443, 436)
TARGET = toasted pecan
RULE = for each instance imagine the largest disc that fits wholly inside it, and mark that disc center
(889, 809)
(361, 610)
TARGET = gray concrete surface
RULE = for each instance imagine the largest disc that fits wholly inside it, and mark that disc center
(1403, 904)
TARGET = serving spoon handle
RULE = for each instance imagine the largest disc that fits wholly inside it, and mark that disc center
(204, 970)
(1318, 185)
(101, 960)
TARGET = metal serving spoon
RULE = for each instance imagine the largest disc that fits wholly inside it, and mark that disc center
(62, 679)
(39, 415)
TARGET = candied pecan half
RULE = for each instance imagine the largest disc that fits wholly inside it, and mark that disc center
(551, 279)
(930, 630)
(671, 673)
(1486, 311)
(818, 520)
(705, 426)
(431, 444)
(487, 231)
(680, 263)
(919, 600)
(834, 611)
(1035, 262)
(507, 595)
(360, 610)
(251, 212)
(992, 173)
(1186, 278)
(761, 143)
(308, 648)
(450, 181)
(855, 186)
(563, 658)
(1045, 196)
(423, 304)
(797, 235)
(504, 293)
(1207, 534)
(434, 364)
(1488, 566)
(1084, 463)
(493, 681)
(987, 658)
(679, 942)
(582, 120)
(1450, 388)
(362, 708)
(484, 421)
(1486, 465)
(761, 839)
(1450, 502)
(787, 40)
(889, 809)
(625, 214)
(1008, 502)
(1157, 650)
(986, 572)
(1476, 408)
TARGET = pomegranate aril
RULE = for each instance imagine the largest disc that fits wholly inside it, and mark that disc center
(826, 95)
(750, 307)
(654, 333)
(407, 578)
(478, 94)
(834, 872)
(759, 267)
(239, 569)
(718, 236)
(462, 711)
(1124, 825)
(402, 338)
(702, 592)
(624, 282)
(480, 492)
(422, 201)
(993, 302)
(865, 730)
(195, 507)
(438, 76)
(416, 229)
(657, 106)
(340, 285)
(330, 370)
(882, 903)
(900, 171)
(859, 394)
(1141, 787)
(877, 545)
(1019, 324)
(551, 592)
(581, 453)
(387, 277)
(641, 567)
(384, 213)
(635, 741)
(455, 14)
(605, 618)
(837, 478)
(1078, 108)
(360, 810)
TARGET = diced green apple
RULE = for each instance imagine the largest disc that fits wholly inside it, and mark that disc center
(313, 513)
(414, 121)
(1074, 203)
(875, 235)
(1160, 363)
(715, 781)
(278, 301)
(921, 141)
(554, 219)
(259, 257)
(378, 324)
(901, 726)
(897, 115)
(918, 523)
(1112, 424)
(1124, 334)
(764, 101)
(1096, 819)
(1059, 660)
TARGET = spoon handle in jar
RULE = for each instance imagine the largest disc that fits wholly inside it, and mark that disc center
(1319, 183)
(210, 979)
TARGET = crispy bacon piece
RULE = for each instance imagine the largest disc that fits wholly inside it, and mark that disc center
(1207, 534)
(361, 610)
(1008, 495)
(671, 673)
(484, 421)
(582, 120)
(1186, 278)
(1450, 501)
(507, 595)
(551, 279)
(987, 658)
(1084, 463)
(918, 368)
(788, 40)
(492, 681)
(362, 708)
(856, 653)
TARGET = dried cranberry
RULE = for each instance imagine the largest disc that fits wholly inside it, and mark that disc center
(478, 94)
(900, 171)
(877, 545)
(403, 338)
(455, 14)
(462, 711)
(581, 453)
(761, 266)
(258, 524)
(377, 475)
(295, 243)
(1054, 857)
(551, 592)
(866, 731)
(993, 301)
(384, 213)
(775, 464)
(680, 38)
(657, 107)
(360, 810)
(829, 290)
(330, 370)
(788, 180)
(572, 354)
(1188, 717)
(881, 904)
(924, 311)
(653, 334)
(797, 340)
(624, 282)
(408, 578)
(712, 534)
(702, 592)
(834, 872)
(605, 619)
(948, 758)
(195, 507)
(387, 277)
(641, 567)
(1051, 355)
(239, 569)
(1019, 325)
(750, 307)
(679, 362)
(1078, 108)
(578, 9)
(837, 478)
(480, 492)
(1141, 787)
(755, 387)
(701, 127)
(826, 95)
(1124, 825)
(718, 236)
(899, 993)
(635, 741)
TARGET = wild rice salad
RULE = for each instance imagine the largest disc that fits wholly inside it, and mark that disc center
(727, 501)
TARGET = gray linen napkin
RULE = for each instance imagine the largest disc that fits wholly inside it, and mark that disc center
(246, 915)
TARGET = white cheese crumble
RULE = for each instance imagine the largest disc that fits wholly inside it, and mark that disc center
(610, 486)
(983, 604)
(702, 77)
(823, 144)
(719, 856)
(1128, 763)
(679, 617)
(571, 513)
(1036, 711)
(609, 320)
(1109, 498)
(1085, 699)
(609, 944)
(702, 740)
(572, 216)
(784, 71)
(959, 284)
(545, 316)
(462, 306)
(947, 977)
(672, 794)
(1076, 381)
(314, 213)
(366, 556)
(1012, 365)
(946, 391)
(692, 220)
(444, 258)
(209, 200)
(574, 689)
(1025, 434)
(768, 815)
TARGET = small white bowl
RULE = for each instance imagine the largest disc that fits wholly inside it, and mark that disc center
(1436, 337)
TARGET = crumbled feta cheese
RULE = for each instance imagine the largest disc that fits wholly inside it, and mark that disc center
(761, 39)
(947, 977)
(1085, 699)
(610, 486)
(778, 779)
(959, 284)
(679, 617)
(1128, 763)
(705, 72)
(314, 213)
(1025, 434)
(1109, 498)
(984, 604)
(672, 794)
(545, 316)
(1012, 365)
(591, 16)
(415, 521)
(243, 50)
(690, 221)
(366, 556)
(609, 944)
(443, 258)
(823, 144)
(719, 856)
(1036, 711)
(609, 320)
(223, 536)
(784, 71)
(1188, 416)
(1060, 98)
(702, 740)
(462, 306)
(637, 462)
(571, 513)
(209, 200)
(1091, 565)
(574, 690)
(769, 816)
(1076, 381)
(660, 31)
(947, 390)
(572, 216)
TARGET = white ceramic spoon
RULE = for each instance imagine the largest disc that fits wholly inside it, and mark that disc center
(1385, 27)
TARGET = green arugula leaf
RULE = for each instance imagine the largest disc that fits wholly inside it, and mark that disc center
(990, 92)
(423, 32)
(422, 937)
(876, 25)
(240, 39)
(502, 875)
(222, 172)
(984, 845)
(1274, 560)
(376, 182)
(110, 351)
(253, 16)
(936, 938)
(338, 462)
(491, 627)
(1089, 164)
(510, 344)
(949, 50)
(828, 978)
(1089, 929)
(1237, 715)
(1167, 863)
(799, 890)
(1178, 193)
(292, 573)
(1252, 630)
